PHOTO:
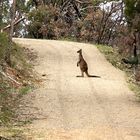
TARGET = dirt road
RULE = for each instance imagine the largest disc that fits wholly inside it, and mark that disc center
(71, 108)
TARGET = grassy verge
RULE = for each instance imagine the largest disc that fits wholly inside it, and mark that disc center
(12, 91)
(114, 58)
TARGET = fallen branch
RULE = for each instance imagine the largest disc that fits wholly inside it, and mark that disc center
(2, 138)
(15, 23)
(83, 2)
(7, 76)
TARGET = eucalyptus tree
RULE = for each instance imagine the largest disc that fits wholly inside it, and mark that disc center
(9, 49)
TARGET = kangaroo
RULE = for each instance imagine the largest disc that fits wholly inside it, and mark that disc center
(83, 64)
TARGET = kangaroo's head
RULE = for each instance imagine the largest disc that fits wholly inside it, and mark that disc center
(79, 51)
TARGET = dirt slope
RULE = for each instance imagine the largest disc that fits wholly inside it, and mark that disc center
(71, 108)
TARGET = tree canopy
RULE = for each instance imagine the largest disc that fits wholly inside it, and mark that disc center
(114, 23)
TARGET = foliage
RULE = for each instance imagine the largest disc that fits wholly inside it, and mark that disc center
(42, 23)
(83, 20)
(50, 22)
(132, 8)
(4, 9)
(132, 12)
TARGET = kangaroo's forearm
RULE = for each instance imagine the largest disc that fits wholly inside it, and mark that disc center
(78, 63)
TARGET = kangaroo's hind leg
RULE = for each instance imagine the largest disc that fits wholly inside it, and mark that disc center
(87, 73)
(82, 73)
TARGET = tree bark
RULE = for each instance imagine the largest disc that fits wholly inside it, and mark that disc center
(8, 53)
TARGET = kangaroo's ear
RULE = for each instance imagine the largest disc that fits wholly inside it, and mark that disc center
(79, 51)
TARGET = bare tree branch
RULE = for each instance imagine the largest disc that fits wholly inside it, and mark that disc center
(15, 23)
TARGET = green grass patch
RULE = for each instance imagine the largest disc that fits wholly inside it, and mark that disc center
(136, 88)
(24, 90)
(112, 56)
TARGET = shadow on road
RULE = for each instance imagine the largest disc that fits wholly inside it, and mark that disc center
(91, 76)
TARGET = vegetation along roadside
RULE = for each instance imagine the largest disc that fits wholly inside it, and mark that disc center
(16, 80)
(115, 58)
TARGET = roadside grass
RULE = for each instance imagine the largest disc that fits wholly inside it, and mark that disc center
(12, 93)
(10, 133)
(113, 56)
(10, 99)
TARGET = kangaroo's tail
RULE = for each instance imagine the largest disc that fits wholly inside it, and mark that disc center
(88, 75)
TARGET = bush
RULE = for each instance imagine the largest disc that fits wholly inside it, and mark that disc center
(43, 22)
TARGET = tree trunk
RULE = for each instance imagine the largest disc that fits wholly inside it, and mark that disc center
(8, 53)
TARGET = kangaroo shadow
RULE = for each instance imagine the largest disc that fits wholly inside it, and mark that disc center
(90, 76)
